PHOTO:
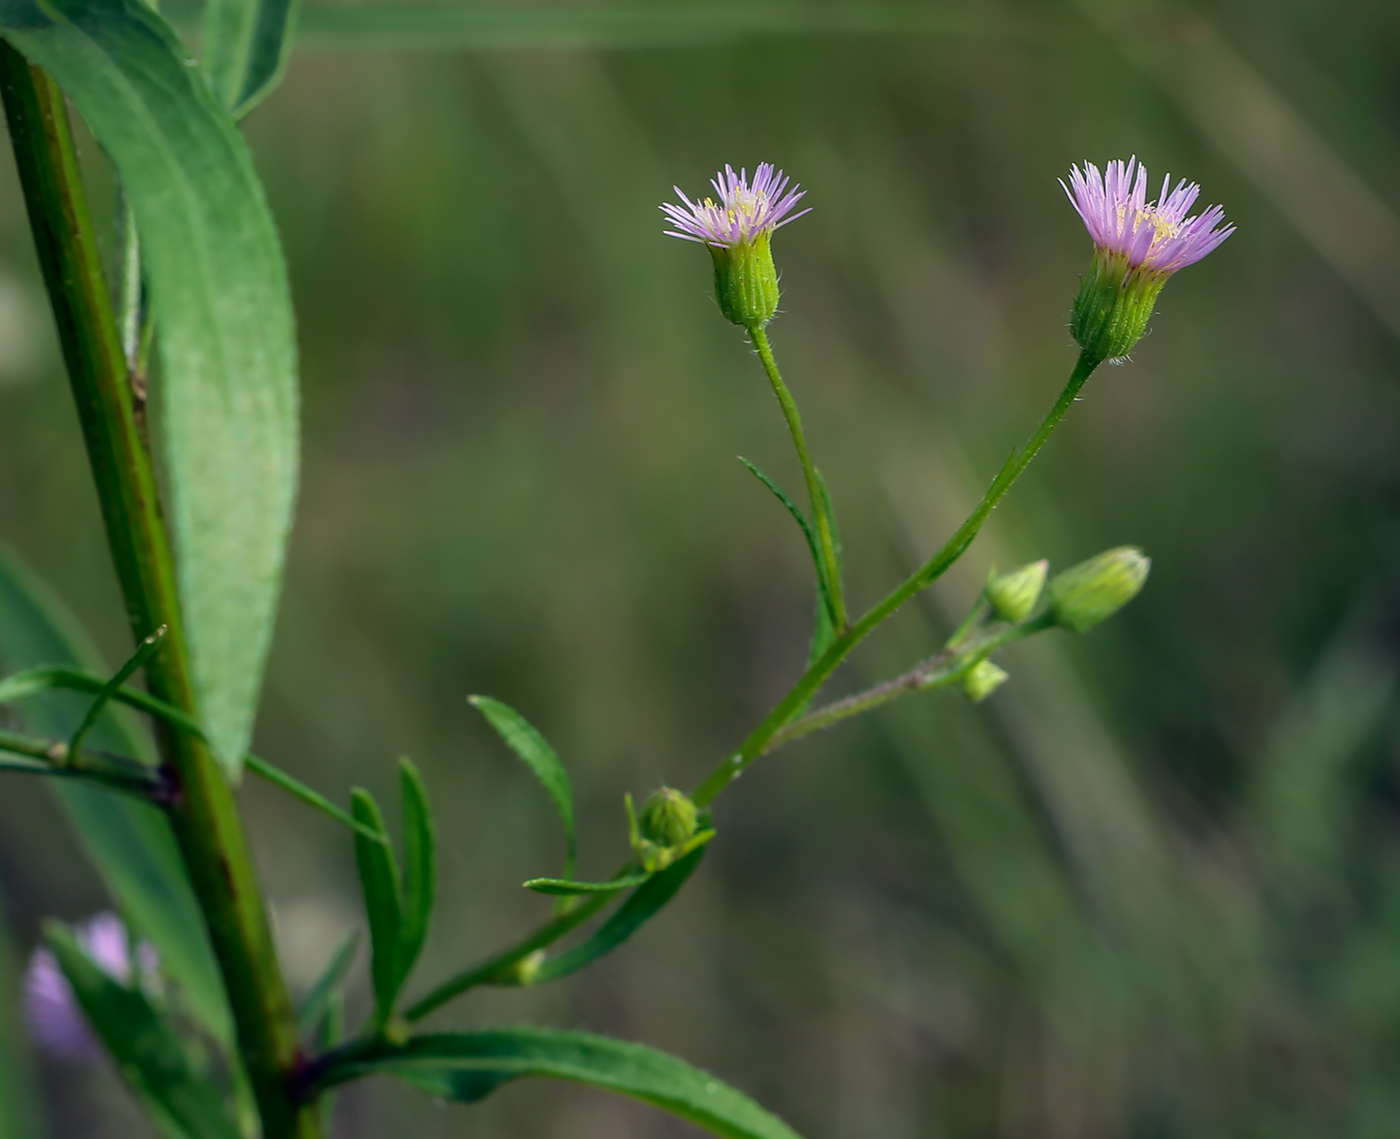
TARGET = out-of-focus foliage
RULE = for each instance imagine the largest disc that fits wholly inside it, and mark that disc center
(1151, 887)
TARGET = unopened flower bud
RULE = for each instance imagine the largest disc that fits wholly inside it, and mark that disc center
(522, 973)
(982, 680)
(668, 818)
(1013, 595)
(1086, 594)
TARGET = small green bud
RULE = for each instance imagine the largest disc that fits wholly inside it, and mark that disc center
(668, 818)
(397, 1030)
(1013, 595)
(746, 280)
(1114, 304)
(1086, 594)
(981, 680)
(522, 973)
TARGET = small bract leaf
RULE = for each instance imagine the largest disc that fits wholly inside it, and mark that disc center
(379, 883)
(419, 874)
(648, 899)
(246, 46)
(532, 747)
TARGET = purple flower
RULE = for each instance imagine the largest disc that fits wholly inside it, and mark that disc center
(743, 213)
(1155, 237)
(51, 1012)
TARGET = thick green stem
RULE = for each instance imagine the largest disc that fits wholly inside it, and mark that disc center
(826, 539)
(203, 812)
(759, 739)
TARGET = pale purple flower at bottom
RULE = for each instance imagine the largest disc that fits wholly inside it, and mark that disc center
(55, 1022)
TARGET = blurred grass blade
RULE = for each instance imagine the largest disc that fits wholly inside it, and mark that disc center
(319, 1000)
(150, 1057)
(21, 1109)
(645, 902)
(532, 747)
(456, 27)
(419, 872)
(246, 46)
(379, 881)
(473, 1060)
(562, 888)
(128, 842)
(227, 349)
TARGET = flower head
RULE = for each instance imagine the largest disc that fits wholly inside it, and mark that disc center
(51, 1011)
(1137, 245)
(737, 230)
(1156, 237)
(743, 213)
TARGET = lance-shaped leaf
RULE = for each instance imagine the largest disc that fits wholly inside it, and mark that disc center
(646, 901)
(379, 882)
(322, 995)
(150, 1057)
(419, 871)
(246, 45)
(227, 349)
(467, 1065)
(128, 842)
(532, 747)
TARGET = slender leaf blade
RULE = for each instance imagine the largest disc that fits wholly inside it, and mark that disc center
(482, 1061)
(128, 842)
(419, 867)
(227, 347)
(246, 47)
(149, 1055)
(318, 1002)
(646, 901)
(564, 888)
(379, 882)
(532, 747)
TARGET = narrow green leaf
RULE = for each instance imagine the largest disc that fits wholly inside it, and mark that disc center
(147, 1052)
(33, 681)
(109, 689)
(530, 746)
(419, 871)
(318, 1001)
(246, 47)
(227, 348)
(562, 888)
(379, 881)
(312, 798)
(128, 842)
(467, 1065)
(644, 903)
(823, 590)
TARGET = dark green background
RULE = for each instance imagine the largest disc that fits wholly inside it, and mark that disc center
(1152, 887)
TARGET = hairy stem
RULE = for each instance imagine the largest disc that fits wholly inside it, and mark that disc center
(760, 738)
(826, 540)
(202, 813)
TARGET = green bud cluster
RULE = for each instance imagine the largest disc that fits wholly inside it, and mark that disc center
(746, 281)
(1092, 591)
(1113, 307)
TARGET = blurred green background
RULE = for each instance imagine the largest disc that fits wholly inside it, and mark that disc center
(1149, 889)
